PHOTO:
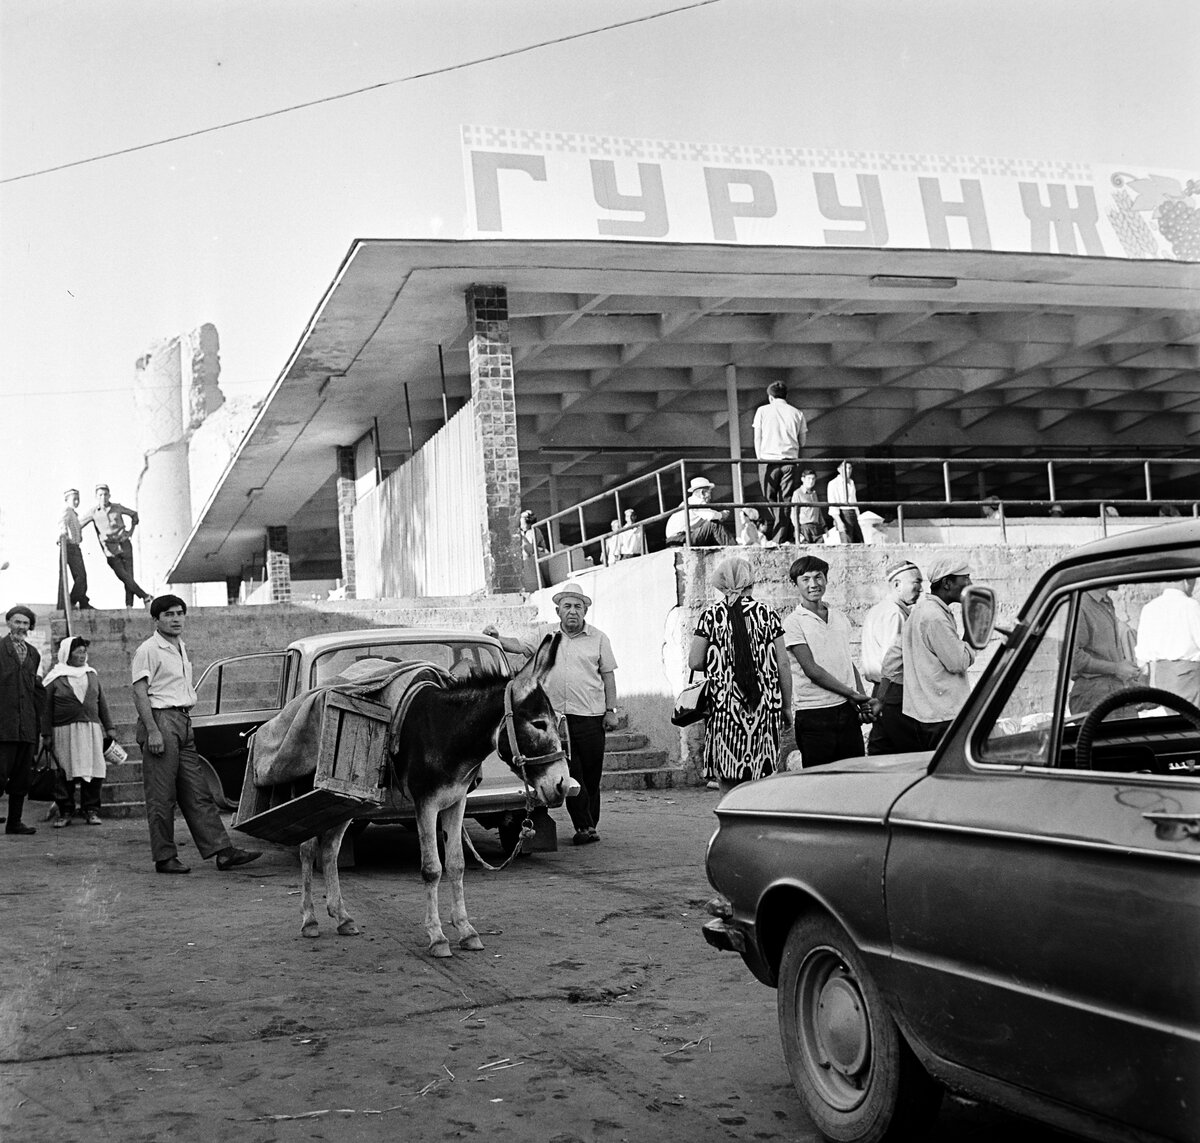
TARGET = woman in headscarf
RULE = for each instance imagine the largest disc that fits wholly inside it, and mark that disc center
(77, 716)
(739, 646)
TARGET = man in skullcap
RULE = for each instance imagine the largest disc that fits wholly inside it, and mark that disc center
(936, 658)
(883, 659)
(22, 705)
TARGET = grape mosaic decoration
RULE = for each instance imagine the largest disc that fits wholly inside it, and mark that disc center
(1172, 216)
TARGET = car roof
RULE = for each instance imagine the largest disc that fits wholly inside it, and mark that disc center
(1155, 536)
(374, 636)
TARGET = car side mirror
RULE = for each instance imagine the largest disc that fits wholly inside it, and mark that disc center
(979, 615)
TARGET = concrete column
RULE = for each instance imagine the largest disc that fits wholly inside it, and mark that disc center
(279, 565)
(346, 498)
(490, 351)
(233, 590)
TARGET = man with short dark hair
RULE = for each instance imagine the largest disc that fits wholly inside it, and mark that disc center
(22, 707)
(779, 434)
(936, 658)
(70, 543)
(108, 518)
(827, 693)
(807, 518)
(171, 771)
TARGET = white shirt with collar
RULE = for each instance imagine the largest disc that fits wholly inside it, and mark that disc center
(779, 430)
(167, 670)
(1169, 629)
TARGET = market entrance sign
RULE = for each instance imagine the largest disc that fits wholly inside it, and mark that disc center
(548, 184)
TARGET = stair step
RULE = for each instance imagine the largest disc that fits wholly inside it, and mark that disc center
(123, 809)
(634, 759)
(652, 778)
(620, 740)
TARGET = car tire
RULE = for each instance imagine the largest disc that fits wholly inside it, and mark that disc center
(857, 1078)
(225, 804)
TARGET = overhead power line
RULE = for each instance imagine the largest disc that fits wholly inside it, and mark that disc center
(359, 91)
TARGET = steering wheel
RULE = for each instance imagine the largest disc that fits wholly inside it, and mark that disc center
(1124, 697)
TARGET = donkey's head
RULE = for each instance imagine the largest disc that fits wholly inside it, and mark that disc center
(535, 725)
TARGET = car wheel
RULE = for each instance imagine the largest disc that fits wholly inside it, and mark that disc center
(224, 804)
(858, 1079)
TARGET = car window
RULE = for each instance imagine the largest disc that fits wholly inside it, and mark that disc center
(458, 658)
(1021, 734)
(249, 682)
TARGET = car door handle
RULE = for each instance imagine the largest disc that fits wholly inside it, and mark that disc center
(1172, 827)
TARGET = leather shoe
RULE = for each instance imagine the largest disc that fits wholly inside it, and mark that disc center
(19, 827)
(235, 856)
(583, 837)
(171, 865)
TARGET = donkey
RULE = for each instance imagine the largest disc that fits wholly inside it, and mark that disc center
(437, 750)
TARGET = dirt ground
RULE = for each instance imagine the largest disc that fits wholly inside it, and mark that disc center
(140, 1007)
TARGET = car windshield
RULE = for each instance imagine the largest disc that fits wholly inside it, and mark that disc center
(459, 658)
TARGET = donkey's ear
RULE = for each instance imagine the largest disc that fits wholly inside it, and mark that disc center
(533, 674)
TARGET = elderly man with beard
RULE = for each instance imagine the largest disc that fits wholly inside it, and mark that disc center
(582, 686)
(22, 707)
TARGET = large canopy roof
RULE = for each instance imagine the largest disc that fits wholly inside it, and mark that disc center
(621, 353)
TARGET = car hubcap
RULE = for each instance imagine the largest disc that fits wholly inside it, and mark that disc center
(835, 1030)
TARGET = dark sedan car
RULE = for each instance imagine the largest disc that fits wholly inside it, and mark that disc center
(1017, 915)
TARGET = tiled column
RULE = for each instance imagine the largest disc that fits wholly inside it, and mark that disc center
(279, 565)
(496, 419)
(345, 501)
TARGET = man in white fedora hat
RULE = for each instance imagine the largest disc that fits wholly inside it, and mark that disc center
(704, 525)
(582, 686)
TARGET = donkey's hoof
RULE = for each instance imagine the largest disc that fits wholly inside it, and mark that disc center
(471, 943)
(310, 929)
(348, 928)
(440, 948)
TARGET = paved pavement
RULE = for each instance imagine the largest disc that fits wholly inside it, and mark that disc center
(140, 1007)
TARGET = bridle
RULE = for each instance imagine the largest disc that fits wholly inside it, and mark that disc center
(520, 762)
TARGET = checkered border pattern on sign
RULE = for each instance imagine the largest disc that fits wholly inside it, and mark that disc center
(812, 158)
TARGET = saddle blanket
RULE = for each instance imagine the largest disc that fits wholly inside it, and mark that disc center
(284, 748)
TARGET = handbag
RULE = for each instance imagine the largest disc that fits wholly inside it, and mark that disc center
(692, 703)
(43, 779)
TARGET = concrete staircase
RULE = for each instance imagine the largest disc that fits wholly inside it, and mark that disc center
(215, 632)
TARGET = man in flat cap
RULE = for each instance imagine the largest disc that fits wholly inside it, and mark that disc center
(936, 659)
(70, 544)
(883, 659)
(22, 706)
(108, 518)
(582, 686)
(696, 521)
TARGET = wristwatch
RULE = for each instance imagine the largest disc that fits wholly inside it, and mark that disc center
(610, 710)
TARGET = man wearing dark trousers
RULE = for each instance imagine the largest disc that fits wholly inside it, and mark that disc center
(581, 685)
(70, 542)
(22, 705)
(779, 434)
(116, 537)
(171, 770)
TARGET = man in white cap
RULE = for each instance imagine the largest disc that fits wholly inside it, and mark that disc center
(883, 659)
(935, 657)
(582, 686)
(705, 526)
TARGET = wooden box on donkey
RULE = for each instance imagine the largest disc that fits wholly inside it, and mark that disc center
(350, 775)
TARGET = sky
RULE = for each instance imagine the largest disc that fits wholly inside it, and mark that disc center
(245, 226)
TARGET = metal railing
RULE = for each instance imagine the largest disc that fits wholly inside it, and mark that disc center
(661, 484)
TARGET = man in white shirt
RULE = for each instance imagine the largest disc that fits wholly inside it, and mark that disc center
(883, 659)
(779, 434)
(632, 541)
(706, 525)
(841, 491)
(827, 694)
(171, 774)
(1168, 640)
(935, 657)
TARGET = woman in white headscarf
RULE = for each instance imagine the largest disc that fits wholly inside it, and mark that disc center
(739, 646)
(77, 716)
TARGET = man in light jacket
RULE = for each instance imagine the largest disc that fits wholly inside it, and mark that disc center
(935, 657)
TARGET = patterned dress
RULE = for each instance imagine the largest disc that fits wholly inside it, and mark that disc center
(741, 744)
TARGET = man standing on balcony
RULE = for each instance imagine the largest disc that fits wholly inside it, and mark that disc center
(582, 686)
(70, 542)
(779, 434)
(842, 496)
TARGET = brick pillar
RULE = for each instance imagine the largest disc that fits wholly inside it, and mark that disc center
(279, 565)
(490, 350)
(345, 501)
